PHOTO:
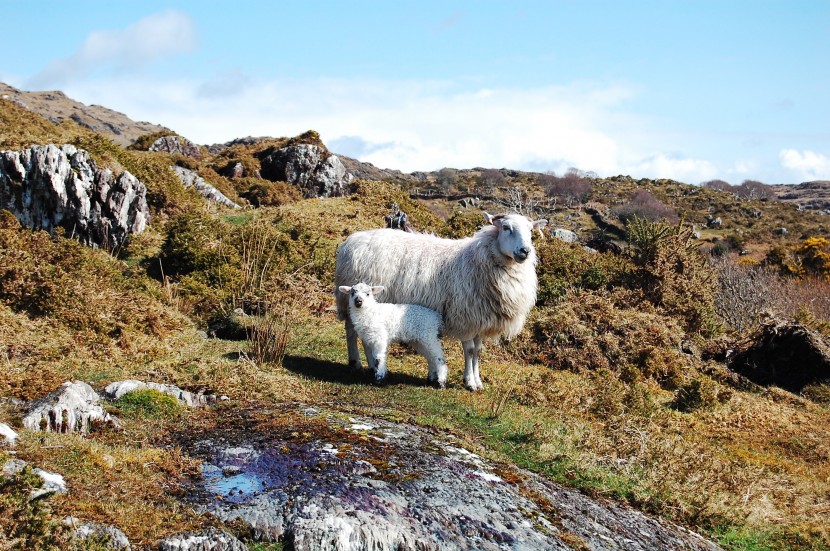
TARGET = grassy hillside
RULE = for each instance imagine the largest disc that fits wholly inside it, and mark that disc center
(617, 385)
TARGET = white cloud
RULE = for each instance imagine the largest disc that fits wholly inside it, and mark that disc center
(414, 125)
(663, 165)
(808, 164)
(152, 38)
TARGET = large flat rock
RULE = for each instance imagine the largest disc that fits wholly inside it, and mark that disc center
(322, 480)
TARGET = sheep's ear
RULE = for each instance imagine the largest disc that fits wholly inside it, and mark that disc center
(345, 290)
(377, 289)
(539, 224)
(488, 218)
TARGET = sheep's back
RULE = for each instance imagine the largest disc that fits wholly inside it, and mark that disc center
(457, 278)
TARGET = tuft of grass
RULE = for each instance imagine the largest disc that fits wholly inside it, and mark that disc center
(268, 337)
(148, 403)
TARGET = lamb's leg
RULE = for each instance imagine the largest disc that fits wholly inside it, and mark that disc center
(432, 351)
(351, 344)
(476, 362)
(379, 363)
(370, 355)
(469, 365)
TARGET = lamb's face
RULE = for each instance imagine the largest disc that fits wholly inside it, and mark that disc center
(515, 232)
(360, 294)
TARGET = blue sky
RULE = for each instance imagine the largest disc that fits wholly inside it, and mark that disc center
(690, 90)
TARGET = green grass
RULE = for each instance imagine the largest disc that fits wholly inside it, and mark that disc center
(148, 403)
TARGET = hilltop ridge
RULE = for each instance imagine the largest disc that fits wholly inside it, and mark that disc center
(57, 106)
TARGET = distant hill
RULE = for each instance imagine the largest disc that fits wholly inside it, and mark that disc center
(56, 106)
(807, 195)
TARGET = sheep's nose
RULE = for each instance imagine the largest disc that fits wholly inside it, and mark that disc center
(358, 302)
(522, 253)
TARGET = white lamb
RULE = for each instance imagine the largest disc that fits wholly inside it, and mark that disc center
(378, 324)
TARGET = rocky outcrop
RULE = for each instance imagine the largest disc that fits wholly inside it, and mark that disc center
(74, 407)
(367, 171)
(191, 179)
(209, 540)
(100, 535)
(47, 186)
(176, 145)
(310, 167)
(362, 483)
(565, 235)
(807, 195)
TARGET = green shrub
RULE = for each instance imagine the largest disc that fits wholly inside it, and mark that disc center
(84, 289)
(463, 223)
(198, 242)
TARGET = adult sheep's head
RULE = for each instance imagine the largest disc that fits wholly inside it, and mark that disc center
(361, 293)
(515, 232)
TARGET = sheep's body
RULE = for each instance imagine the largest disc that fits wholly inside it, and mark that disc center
(483, 286)
(379, 324)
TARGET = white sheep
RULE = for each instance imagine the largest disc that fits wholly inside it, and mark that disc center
(483, 286)
(379, 324)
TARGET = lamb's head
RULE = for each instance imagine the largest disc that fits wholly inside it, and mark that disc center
(361, 294)
(515, 231)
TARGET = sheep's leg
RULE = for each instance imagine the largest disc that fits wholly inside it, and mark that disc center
(476, 362)
(351, 344)
(469, 365)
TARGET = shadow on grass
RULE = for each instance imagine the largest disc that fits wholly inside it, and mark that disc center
(332, 372)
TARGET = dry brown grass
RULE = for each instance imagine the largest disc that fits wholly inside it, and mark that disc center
(604, 424)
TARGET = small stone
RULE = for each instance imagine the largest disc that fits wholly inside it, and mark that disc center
(8, 434)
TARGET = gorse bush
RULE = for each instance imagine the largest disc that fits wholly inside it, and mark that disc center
(700, 392)
(673, 274)
(811, 257)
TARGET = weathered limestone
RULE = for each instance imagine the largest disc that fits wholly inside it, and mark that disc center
(47, 186)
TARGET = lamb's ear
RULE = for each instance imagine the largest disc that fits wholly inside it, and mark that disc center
(488, 218)
(377, 289)
(345, 290)
(539, 224)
